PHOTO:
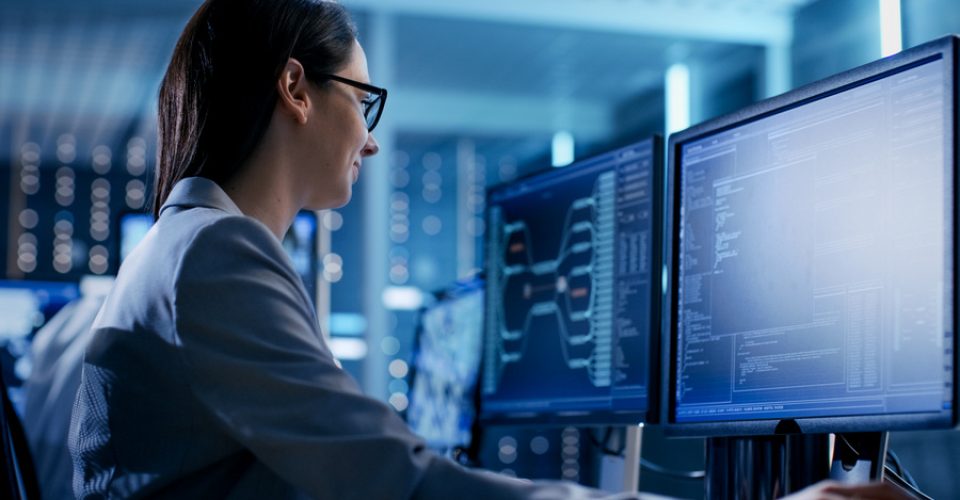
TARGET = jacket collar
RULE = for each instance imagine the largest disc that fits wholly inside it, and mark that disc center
(192, 192)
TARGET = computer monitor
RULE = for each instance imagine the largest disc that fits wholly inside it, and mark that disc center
(25, 305)
(133, 228)
(812, 247)
(573, 287)
(446, 361)
(300, 243)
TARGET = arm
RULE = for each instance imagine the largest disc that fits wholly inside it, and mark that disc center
(830, 490)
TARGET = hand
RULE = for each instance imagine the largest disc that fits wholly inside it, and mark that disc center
(831, 490)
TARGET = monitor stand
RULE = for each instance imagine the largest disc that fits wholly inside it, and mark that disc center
(746, 467)
(768, 467)
(858, 457)
(631, 458)
(623, 473)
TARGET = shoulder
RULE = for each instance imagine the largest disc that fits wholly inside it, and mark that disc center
(214, 227)
(238, 257)
(235, 285)
(232, 242)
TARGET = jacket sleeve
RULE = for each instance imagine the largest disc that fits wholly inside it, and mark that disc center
(257, 361)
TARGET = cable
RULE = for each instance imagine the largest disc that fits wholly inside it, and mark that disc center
(901, 470)
(893, 477)
(604, 447)
(849, 444)
(895, 461)
(681, 474)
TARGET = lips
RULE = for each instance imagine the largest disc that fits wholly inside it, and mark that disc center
(356, 171)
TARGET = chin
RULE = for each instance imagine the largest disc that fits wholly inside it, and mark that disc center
(331, 202)
(346, 197)
(343, 202)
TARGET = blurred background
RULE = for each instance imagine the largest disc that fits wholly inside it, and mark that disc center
(481, 92)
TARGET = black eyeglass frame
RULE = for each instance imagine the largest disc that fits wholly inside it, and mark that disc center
(366, 87)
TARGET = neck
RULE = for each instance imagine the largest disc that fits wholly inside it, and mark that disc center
(273, 211)
(261, 189)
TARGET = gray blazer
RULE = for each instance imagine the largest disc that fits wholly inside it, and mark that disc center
(207, 377)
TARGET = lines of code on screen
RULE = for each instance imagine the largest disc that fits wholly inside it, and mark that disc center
(814, 257)
(568, 280)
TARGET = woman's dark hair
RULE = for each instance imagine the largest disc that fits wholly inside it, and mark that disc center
(219, 91)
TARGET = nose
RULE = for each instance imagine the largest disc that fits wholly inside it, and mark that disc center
(371, 147)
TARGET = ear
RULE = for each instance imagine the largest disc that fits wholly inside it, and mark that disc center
(292, 88)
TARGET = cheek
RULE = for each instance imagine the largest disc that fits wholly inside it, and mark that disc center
(343, 138)
(325, 146)
(358, 131)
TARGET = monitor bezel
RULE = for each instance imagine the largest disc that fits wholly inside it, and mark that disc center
(601, 417)
(945, 48)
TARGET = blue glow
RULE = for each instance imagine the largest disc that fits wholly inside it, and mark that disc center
(347, 324)
(402, 298)
(562, 149)
(348, 348)
(133, 228)
(678, 97)
(891, 37)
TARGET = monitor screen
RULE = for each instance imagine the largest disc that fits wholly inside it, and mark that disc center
(572, 267)
(133, 228)
(27, 305)
(813, 252)
(445, 365)
(300, 242)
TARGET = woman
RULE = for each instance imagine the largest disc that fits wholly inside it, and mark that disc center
(207, 375)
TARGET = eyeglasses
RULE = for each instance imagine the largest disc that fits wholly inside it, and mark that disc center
(372, 105)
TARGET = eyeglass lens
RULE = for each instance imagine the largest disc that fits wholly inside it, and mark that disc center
(372, 112)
